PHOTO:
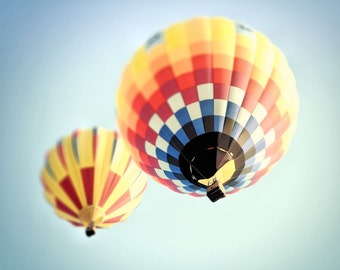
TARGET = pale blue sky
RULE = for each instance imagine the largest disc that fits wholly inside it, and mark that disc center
(60, 64)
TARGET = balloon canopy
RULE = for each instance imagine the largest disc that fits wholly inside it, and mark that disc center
(207, 106)
(90, 179)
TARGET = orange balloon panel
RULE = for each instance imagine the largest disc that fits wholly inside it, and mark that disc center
(203, 93)
(90, 179)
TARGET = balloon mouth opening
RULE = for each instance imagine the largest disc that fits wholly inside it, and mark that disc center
(204, 155)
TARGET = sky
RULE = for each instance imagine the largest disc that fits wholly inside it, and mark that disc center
(60, 66)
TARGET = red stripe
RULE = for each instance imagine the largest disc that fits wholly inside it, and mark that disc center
(221, 91)
(138, 103)
(144, 133)
(164, 75)
(142, 128)
(221, 75)
(242, 66)
(168, 183)
(146, 112)
(239, 80)
(258, 175)
(186, 80)
(270, 95)
(203, 76)
(253, 94)
(276, 157)
(190, 95)
(272, 149)
(241, 73)
(151, 135)
(88, 181)
(156, 100)
(140, 143)
(196, 195)
(148, 160)
(64, 208)
(164, 112)
(271, 120)
(67, 186)
(124, 199)
(202, 61)
(76, 224)
(111, 182)
(131, 136)
(114, 220)
(149, 170)
(281, 126)
(169, 88)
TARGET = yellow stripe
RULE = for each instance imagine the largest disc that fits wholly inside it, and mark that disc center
(198, 29)
(122, 219)
(223, 30)
(245, 48)
(246, 42)
(126, 82)
(66, 216)
(139, 63)
(176, 36)
(286, 137)
(102, 162)
(282, 104)
(284, 78)
(139, 184)
(118, 165)
(264, 60)
(223, 40)
(280, 70)
(49, 198)
(56, 165)
(125, 209)
(290, 94)
(123, 108)
(120, 159)
(85, 148)
(129, 179)
(106, 225)
(73, 169)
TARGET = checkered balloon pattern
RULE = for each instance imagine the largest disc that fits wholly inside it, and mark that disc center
(207, 75)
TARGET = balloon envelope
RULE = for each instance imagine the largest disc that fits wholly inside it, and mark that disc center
(207, 103)
(90, 179)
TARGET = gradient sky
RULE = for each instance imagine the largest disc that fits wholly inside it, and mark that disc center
(60, 65)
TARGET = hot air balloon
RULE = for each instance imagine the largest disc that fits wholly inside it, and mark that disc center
(90, 179)
(207, 106)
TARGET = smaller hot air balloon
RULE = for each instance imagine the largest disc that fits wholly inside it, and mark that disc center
(90, 179)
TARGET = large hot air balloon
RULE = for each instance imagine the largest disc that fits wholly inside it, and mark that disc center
(90, 179)
(207, 106)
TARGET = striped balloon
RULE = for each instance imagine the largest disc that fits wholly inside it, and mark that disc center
(90, 179)
(207, 103)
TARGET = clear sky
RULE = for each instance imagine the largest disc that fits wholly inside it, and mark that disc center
(60, 65)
